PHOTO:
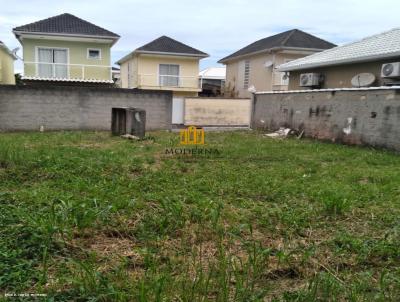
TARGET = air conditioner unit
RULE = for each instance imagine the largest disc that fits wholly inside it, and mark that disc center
(391, 70)
(310, 79)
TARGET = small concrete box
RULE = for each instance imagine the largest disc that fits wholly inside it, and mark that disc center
(128, 120)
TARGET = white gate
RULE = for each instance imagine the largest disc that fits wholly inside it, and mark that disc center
(178, 107)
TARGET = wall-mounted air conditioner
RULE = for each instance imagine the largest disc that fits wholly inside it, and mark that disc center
(391, 70)
(310, 79)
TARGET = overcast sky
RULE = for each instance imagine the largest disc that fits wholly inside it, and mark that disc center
(218, 27)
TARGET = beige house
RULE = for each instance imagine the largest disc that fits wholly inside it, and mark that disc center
(254, 66)
(372, 61)
(65, 48)
(163, 64)
(7, 58)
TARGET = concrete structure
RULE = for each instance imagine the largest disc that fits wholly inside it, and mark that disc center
(369, 116)
(220, 112)
(340, 64)
(212, 81)
(254, 66)
(163, 64)
(77, 108)
(116, 76)
(7, 58)
(66, 48)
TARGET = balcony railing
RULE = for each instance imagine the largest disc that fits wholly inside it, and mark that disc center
(64, 71)
(168, 81)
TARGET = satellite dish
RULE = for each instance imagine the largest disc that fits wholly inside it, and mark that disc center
(252, 89)
(268, 64)
(364, 79)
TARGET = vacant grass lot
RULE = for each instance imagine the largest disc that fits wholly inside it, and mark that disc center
(89, 217)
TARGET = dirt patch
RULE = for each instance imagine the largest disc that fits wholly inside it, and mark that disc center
(110, 250)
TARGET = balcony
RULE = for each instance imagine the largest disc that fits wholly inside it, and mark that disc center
(67, 72)
(169, 82)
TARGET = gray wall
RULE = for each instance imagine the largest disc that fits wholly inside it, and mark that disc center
(370, 117)
(77, 108)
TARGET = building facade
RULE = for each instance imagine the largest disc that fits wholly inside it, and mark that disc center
(345, 66)
(254, 67)
(66, 48)
(7, 59)
(163, 64)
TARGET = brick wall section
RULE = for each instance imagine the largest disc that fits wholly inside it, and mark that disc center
(370, 117)
(77, 108)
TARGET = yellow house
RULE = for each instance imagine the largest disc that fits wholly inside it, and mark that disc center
(66, 48)
(254, 67)
(6, 65)
(163, 64)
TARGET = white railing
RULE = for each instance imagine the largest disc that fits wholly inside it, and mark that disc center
(153, 80)
(67, 71)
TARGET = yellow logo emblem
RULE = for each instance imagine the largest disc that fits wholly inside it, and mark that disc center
(192, 136)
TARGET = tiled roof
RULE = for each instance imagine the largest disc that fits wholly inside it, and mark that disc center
(381, 46)
(294, 38)
(166, 45)
(65, 24)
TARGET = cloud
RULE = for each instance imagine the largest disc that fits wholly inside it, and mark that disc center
(218, 27)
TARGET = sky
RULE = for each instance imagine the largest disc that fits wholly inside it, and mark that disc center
(217, 27)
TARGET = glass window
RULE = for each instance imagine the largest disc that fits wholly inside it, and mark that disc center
(94, 54)
(169, 75)
(52, 63)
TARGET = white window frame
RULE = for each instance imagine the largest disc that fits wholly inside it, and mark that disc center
(95, 49)
(51, 48)
(178, 76)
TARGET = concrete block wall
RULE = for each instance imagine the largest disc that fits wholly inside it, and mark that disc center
(77, 108)
(370, 117)
(217, 112)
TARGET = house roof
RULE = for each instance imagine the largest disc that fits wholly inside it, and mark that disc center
(381, 46)
(294, 38)
(166, 45)
(217, 73)
(11, 53)
(65, 24)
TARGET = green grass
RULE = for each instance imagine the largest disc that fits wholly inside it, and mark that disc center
(89, 217)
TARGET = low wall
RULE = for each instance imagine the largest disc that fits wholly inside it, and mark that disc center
(353, 116)
(217, 112)
(77, 108)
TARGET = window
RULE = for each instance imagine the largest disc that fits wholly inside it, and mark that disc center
(94, 53)
(246, 74)
(52, 62)
(168, 75)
